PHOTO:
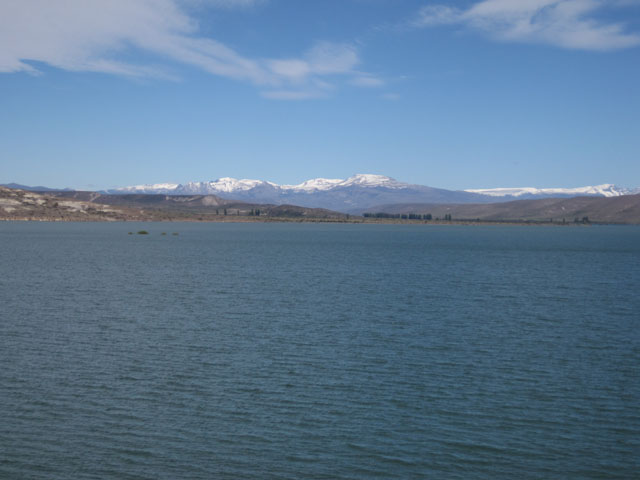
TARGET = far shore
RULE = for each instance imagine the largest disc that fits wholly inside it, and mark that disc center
(352, 220)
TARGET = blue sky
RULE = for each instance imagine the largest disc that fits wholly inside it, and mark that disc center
(464, 94)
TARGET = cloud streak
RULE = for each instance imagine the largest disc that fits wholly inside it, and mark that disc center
(563, 23)
(97, 36)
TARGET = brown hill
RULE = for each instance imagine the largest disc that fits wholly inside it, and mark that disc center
(91, 206)
(24, 205)
(623, 209)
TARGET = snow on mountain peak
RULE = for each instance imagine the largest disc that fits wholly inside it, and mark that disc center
(222, 185)
(228, 185)
(605, 190)
(150, 188)
(314, 184)
(370, 180)
(361, 179)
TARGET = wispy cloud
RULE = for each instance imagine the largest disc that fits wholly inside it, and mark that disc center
(93, 34)
(306, 74)
(564, 23)
(330, 58)
(293, 94)
(228, 3)
(367, 80)
(97, 35)
(323, 59)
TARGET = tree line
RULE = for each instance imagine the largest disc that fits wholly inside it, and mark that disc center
(402, 216)
(254, 212)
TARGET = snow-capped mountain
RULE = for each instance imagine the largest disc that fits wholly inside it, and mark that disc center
(232, 185)
(604, 190)
(350, 195)
(357, 193)
(166, 188)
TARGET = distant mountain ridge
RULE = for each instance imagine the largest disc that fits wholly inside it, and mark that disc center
(38, 188)
(604, 190)
(233, 185)
(349, 195)
(94, 206)
(357, 193)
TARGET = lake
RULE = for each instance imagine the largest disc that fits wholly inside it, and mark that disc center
(328, 351)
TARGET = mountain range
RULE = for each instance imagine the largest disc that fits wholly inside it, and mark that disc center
(94, 206)
(356, 195)
(360, 193)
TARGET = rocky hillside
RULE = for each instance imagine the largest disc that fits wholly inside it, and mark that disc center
(92, 206)
(24, 205)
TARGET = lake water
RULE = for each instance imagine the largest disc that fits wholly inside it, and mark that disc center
(322, 351)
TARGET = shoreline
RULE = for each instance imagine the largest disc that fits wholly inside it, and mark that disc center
(353, 221)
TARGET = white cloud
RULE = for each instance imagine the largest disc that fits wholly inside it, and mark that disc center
(332, 58)
(562, 23)
(367, 80)
(92, 34)
(437, 15)
(97, 35)
(311, 87)
(232, 3)
(323, 60)
(293, 69)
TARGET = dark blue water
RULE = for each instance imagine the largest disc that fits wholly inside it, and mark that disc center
(319, 351)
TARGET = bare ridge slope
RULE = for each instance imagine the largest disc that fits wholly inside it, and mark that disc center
(621, 209)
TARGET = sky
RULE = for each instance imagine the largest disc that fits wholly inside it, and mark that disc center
(97, 94)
